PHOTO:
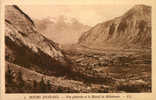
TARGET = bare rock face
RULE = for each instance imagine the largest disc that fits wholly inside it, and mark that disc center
(131, 30)
(27, 47)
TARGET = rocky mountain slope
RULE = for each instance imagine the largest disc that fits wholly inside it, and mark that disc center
(27, 47)
(131, 30)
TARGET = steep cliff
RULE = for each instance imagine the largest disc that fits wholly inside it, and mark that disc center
(131, 30)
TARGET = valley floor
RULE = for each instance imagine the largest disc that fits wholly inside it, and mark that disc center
(100, 72)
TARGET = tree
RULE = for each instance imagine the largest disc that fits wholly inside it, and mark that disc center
(20, 79)
(42, 85)
(9, 75)
(34, 84)
(48, 85)
(59, 90)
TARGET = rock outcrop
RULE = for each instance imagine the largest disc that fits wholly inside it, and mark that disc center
(131, 30)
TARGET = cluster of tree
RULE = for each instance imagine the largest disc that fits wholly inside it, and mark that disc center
(14, 81)
(16, 84)
(41, 86)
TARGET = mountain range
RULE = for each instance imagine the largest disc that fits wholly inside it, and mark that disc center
(61, 29)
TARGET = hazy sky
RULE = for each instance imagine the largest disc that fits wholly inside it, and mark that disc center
(86, 14)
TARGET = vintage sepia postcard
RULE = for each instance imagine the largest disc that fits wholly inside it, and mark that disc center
(77, 50)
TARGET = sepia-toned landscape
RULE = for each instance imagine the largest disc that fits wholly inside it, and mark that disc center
(64, 55)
